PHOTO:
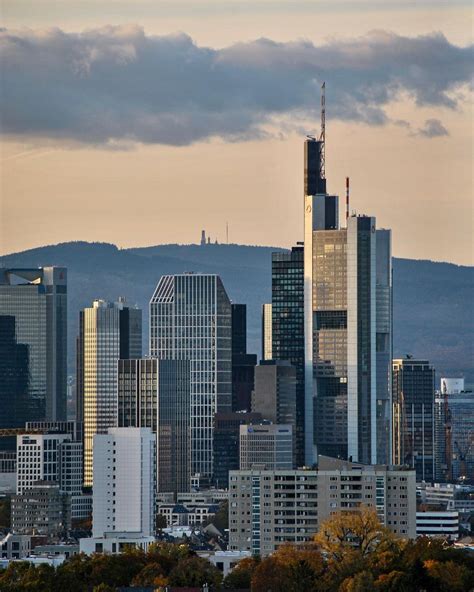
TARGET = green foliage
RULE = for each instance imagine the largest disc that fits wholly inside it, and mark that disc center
(160, 522)
(194, 571)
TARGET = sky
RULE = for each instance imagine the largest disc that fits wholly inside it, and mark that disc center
(144, 122)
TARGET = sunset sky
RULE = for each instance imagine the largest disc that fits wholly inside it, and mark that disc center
(143, 122)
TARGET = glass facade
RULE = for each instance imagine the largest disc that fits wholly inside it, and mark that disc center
(190, 319)
(288, 327)
(37, 299)
(267, 348)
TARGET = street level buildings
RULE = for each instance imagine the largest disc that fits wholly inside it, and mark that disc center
(108, 331)
(190, 319)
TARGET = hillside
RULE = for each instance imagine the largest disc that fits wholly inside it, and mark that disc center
(433, 302)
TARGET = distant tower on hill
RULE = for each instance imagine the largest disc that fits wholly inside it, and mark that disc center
(203, 237)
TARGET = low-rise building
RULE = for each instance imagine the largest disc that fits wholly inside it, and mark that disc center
(15, 546)
(439, 524)
(116, 542)
(225, 561)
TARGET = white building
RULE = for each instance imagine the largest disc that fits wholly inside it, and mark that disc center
(266, 446)
(124, 482)
(440, 524)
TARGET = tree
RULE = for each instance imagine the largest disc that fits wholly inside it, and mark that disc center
(195, 571)
(360, 582)
(150, 575)
(160, 522)
(450, 576)
(271, 576)
(241, 575)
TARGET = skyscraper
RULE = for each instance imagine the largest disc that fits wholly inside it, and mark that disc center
(413, 416)
(288, 327)
(267, 353)
(190, 319)
(108, 331)
(37, 299)
(243, 364)
(347, 312)
(155, 394)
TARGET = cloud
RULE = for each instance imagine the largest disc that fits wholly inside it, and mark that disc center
(433, 128)
(116, 85)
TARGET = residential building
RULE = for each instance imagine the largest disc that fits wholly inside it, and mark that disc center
(190, 319)
(274, 396)
(124, 482)
(288, 327)
(35, 342)
(155, 394)
(187, 515)
(413, 416)
(454, 431)
(267, 349)
(41, 509)
(438, 524)
(226, 443)
(15, 546)
(268, 509)
(108, 331)
(266, 446)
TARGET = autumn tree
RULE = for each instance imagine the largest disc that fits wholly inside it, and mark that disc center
(241, 576)
(195, 571)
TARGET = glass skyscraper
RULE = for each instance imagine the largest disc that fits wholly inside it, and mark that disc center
(190, 319)
(108, 331)
(37, 300)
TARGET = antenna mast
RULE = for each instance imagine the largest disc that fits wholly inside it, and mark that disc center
(322, 137)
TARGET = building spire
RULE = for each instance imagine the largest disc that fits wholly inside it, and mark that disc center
(322, 137)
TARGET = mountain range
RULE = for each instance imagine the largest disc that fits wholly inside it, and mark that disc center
(433, 302)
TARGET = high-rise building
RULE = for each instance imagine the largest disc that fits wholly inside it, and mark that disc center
(348, 326)
(274, 396)
(190, 319)
(108, 331)
(454, 431)
(267, 350)
(266, 446)
(226, 443)
(274, 508)
(155, 394)
(37, 299)
(124, 482)
(413, 416)
(288, 327)
(16, 406)
(243, 364)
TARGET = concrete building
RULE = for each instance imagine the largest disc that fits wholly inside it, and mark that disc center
(15, 546)
(187, 515)
(438, 524)
(226, 443)
(190, 319)
(413, 416)
(108, 331)
(41, 509)
(274, 396)
(270, 508)
(155, 394)
(33, 302)
(266, 446)
(115, 543)
(267, 349)
(348, 326)
(288, 327)
(124, 482)
(8, 472)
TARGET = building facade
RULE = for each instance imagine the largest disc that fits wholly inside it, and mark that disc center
(190, 319)
(155, 394)
(413, 416)
(108, 331)
(266, 446)
(268, 509)
(37, 299)
(243, 364)
(124, 482)
(267, 349)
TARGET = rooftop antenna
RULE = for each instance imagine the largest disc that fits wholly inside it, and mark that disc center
(227, 232)
(347, 199)
(322, 137)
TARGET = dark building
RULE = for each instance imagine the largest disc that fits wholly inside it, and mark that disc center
(243, 364)
(314, 181)
(16, 406)
(288, 326)
(413, 416)
(227, 442)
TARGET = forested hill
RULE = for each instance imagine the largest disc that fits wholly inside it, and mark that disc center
(433, 302)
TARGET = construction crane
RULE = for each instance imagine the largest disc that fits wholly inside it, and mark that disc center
(9, 432)
(462, 455)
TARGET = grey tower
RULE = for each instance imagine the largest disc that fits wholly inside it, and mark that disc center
(190, 319)
(37, 299)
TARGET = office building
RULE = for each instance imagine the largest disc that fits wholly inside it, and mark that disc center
(288, 327)
(155, 394)
(8, 472)
(243, 364)
(438, 524)
(124, 482)
(266, 446)
(16, 404)
(267, 349)
(41, 509)
(190, 319)
(413, 416)
(274, 396)
(37, 300)
(454, 431)
(108, 331)
(268, 509)
(226, 443)
(348, 326)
